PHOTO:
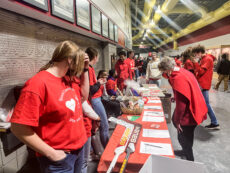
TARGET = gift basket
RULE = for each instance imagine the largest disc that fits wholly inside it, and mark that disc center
(132, 105)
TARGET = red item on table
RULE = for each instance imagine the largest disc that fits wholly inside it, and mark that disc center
(186, 84)
(53, 109)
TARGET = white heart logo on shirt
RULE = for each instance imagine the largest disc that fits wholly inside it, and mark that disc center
(71, 104)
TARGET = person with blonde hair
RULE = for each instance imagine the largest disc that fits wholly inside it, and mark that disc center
(48, 115)
(190, 108)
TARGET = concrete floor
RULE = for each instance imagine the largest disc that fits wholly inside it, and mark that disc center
(211, 147)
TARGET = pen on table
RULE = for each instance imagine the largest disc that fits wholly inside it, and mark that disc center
(153, 145)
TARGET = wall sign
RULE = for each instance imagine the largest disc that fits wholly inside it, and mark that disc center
(96, 20)
(111, 30)
(63, 9)
(105, 26)
(82, 13)
(115, 33)
(42, 4)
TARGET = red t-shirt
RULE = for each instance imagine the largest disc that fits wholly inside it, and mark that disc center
(92, 81)
(122, 70)
(131, 63)
(53, 108)
(204, 71)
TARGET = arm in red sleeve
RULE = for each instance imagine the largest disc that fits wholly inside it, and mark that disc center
(181, 103)
(201, 69)
(130, 72)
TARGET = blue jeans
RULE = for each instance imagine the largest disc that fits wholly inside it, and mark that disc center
(104, 126)
(211, 113)
(86, 153)
(157, 82)
(72, 163)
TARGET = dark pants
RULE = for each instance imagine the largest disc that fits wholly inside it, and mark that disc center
(72, 163)
(185, 139)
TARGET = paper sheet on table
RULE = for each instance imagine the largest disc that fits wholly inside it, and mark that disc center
(156, 148)
(153, 133)
(153, 87)
(152, 107)
(154, 101)
(153, 113)
(147, 118)
(153, 98)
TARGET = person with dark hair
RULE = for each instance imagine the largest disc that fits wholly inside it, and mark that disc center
(48, 116)
(204, 72)
(139, 66)
(96, 94)
(131, 63)
(190, 108)
(111, 85)
(122, 70)
(187, 57)
(223, 70)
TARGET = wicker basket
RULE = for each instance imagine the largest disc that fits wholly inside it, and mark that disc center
(135, 111)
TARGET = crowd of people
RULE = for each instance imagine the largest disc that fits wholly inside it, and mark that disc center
(50, 119)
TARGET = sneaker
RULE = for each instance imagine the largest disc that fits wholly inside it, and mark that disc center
(179, 153)
(213, 126)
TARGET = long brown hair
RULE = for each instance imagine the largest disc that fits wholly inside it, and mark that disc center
(187, 54)
(65, 50)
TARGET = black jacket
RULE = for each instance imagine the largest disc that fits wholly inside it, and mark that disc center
(224, 67)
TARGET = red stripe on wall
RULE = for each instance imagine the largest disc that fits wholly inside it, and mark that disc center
(219, 28)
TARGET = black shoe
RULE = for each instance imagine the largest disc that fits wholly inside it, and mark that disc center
(179, 153)
(213, 126)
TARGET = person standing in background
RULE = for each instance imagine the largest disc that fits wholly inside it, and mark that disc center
(153, 74)
(96, 94)
(139, 65)
(145, 64)
(223, 70)
(131, 63)
(204, 72)
(187, 59)
(122, 70)
(178, 61)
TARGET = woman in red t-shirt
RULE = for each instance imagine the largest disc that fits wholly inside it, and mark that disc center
(188, 60)
(48, 115)
(95, 94)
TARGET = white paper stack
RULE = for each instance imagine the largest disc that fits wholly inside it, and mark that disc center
(156, 148)
(153, 133)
